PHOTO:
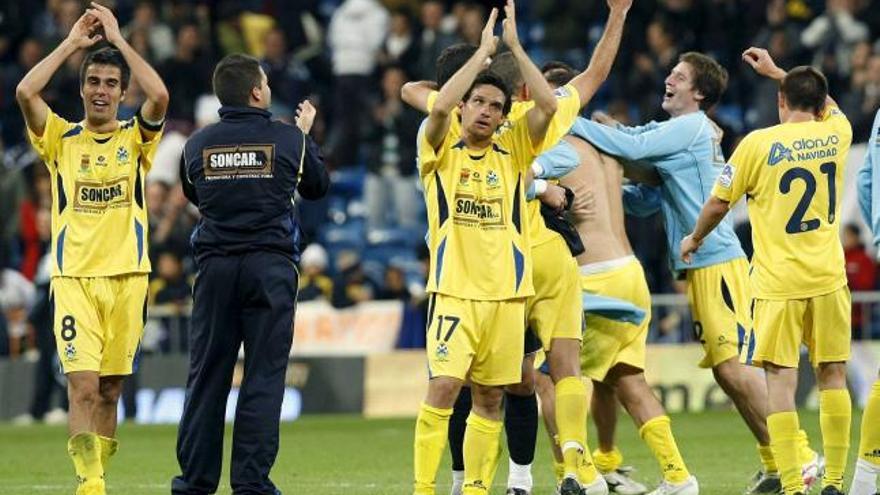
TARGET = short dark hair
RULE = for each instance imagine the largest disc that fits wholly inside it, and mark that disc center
(710, 79)
(106, 56)
(805, 88)
(558, 73)
(234, 78)
(452, 58)
(504, 66)
(489, 78)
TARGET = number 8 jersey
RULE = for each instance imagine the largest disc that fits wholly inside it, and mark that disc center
(792, 176)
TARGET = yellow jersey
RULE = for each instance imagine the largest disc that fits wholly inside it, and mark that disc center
(792, 176)
(99, 218)
(568, 107)
(476, 203)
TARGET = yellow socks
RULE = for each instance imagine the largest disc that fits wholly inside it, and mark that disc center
(784, 441)
(869, 444)
(835, 415)
(432, 426)
(805, 453)
(109, 446)
(571, 420)
(607, 461)
(481, 443)
(768, 463)
(85, 452)
(558, 471)
(657, 433)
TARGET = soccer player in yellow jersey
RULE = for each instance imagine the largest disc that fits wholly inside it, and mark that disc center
(792, 175)
(480, 272)
(99, 227)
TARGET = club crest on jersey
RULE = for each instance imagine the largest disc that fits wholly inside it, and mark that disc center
(492, 179)
(464, 176)
(561, 92)
(442, 352)
(69, 351)
(779, 152)
(122, 156)
(725, 178)
(84, 163)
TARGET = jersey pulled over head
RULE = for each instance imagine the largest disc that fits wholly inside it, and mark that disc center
(239, 81)
(103, 81)
(695, 83)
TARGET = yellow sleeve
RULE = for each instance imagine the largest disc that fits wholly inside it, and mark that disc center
(840, 125)
(48, 144)
(429, 159)
(568, 106)
(432, 98)
(147, 149)
(736, 178)
(518, 141)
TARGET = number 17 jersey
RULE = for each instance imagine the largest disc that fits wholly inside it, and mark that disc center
(792, 176)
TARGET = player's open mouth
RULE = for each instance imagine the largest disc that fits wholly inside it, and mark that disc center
(482, 124)
(100, 104)
(668, 94)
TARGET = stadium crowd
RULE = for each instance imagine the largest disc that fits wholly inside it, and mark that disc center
(350, 58)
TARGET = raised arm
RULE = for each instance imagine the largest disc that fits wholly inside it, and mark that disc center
(545, 102)
(589, 81)
(763, 64)
(153, 110)
(416, 94)
(27, 93)
(437, 123)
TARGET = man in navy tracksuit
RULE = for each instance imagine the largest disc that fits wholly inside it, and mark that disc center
(242, 173)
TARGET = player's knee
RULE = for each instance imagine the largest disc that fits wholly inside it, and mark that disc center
(831, 375)
(83, 393)
(443, 391)
(526, 386)
(487, 398)
(110, 390)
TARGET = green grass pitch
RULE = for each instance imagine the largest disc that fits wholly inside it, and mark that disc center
(346, 454)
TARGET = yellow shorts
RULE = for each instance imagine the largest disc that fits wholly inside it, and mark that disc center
(554, 312)
(720, 300)
(821, 323)
(480, 340)
(608, 342)
(99, 322)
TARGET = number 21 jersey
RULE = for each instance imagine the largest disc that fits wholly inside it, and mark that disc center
(792, 176)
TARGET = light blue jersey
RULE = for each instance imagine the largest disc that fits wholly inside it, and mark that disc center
(869, 182)
(686, 152)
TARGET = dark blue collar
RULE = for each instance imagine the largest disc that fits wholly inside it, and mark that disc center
(243, 113)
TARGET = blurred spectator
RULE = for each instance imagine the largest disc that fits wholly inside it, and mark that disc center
(166, 162)
(394, 287)
(781, 38)
(171, 289)
(400, 47)
(861, 103)
(47, 379)
(17, 297)
(832, 37)
(313, 281)
(171, 221)
(860, 271)
(357, 30)
(188, 73)
(351, 285)
(432, 40)
(62, 92)
(651, 69)
(30, 52)
(391, 156)
(160, 38)
(471, 23)
(287, 77)
(53, 25)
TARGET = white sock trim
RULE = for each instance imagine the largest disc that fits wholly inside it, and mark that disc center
(519, 476)
(572, 445)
